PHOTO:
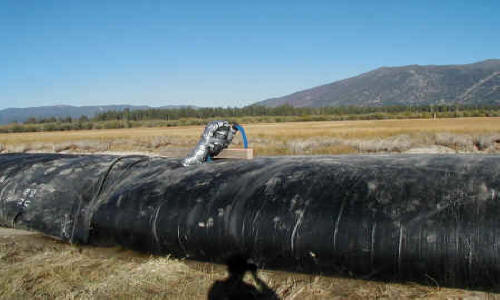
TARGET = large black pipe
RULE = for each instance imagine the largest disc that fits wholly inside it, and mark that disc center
(425, 218)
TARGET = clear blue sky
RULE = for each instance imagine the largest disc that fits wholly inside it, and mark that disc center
(223, 53)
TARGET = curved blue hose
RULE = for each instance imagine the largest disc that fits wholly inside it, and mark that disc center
(243, 135)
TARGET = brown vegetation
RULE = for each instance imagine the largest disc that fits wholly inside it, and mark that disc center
(37, 267)
(467, 135)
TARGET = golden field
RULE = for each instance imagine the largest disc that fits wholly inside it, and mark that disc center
(335, 137)
(35, 266)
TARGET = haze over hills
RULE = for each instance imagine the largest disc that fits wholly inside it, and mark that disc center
(10, 115)
(477, 83)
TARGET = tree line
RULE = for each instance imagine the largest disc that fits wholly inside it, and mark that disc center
(249, 114)
(257, 111)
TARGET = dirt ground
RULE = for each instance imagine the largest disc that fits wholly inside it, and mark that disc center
(38, 267)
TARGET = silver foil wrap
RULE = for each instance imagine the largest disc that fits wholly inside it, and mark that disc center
(216, 136)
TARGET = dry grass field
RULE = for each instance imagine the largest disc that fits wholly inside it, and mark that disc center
(336, 137)
(37, 267)
(34, 266)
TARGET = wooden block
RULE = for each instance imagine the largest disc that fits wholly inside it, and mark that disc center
(236, 153)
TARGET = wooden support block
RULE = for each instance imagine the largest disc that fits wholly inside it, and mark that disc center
(236, 153)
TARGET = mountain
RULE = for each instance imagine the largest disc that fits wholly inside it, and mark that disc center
(10, 115)
(477, 83)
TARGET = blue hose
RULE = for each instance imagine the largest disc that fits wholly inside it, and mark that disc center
(243, 135)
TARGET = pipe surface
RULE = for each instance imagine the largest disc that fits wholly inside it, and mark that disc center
(425, 218)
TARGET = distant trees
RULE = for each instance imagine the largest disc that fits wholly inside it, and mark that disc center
(248, 114)
(283, 110)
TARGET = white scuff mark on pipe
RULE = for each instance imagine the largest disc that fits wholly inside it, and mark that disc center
(400, 245)
(483, 194)
(372, 246)
(65, 172)
(337, 222)
(2, 201)
(47, 187)
(469, 260)
(255, 229)
(300, 214)
(372, 187)
(293, 203)
(243, 229)
(155, 223)
(25, 201)
(50, 170)
(431, 238)
(179, 240)
(66, 223)
(29, 192)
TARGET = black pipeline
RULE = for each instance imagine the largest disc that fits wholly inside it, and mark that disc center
(426, 218)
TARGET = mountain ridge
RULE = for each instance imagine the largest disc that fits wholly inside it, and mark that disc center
(475, 83)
